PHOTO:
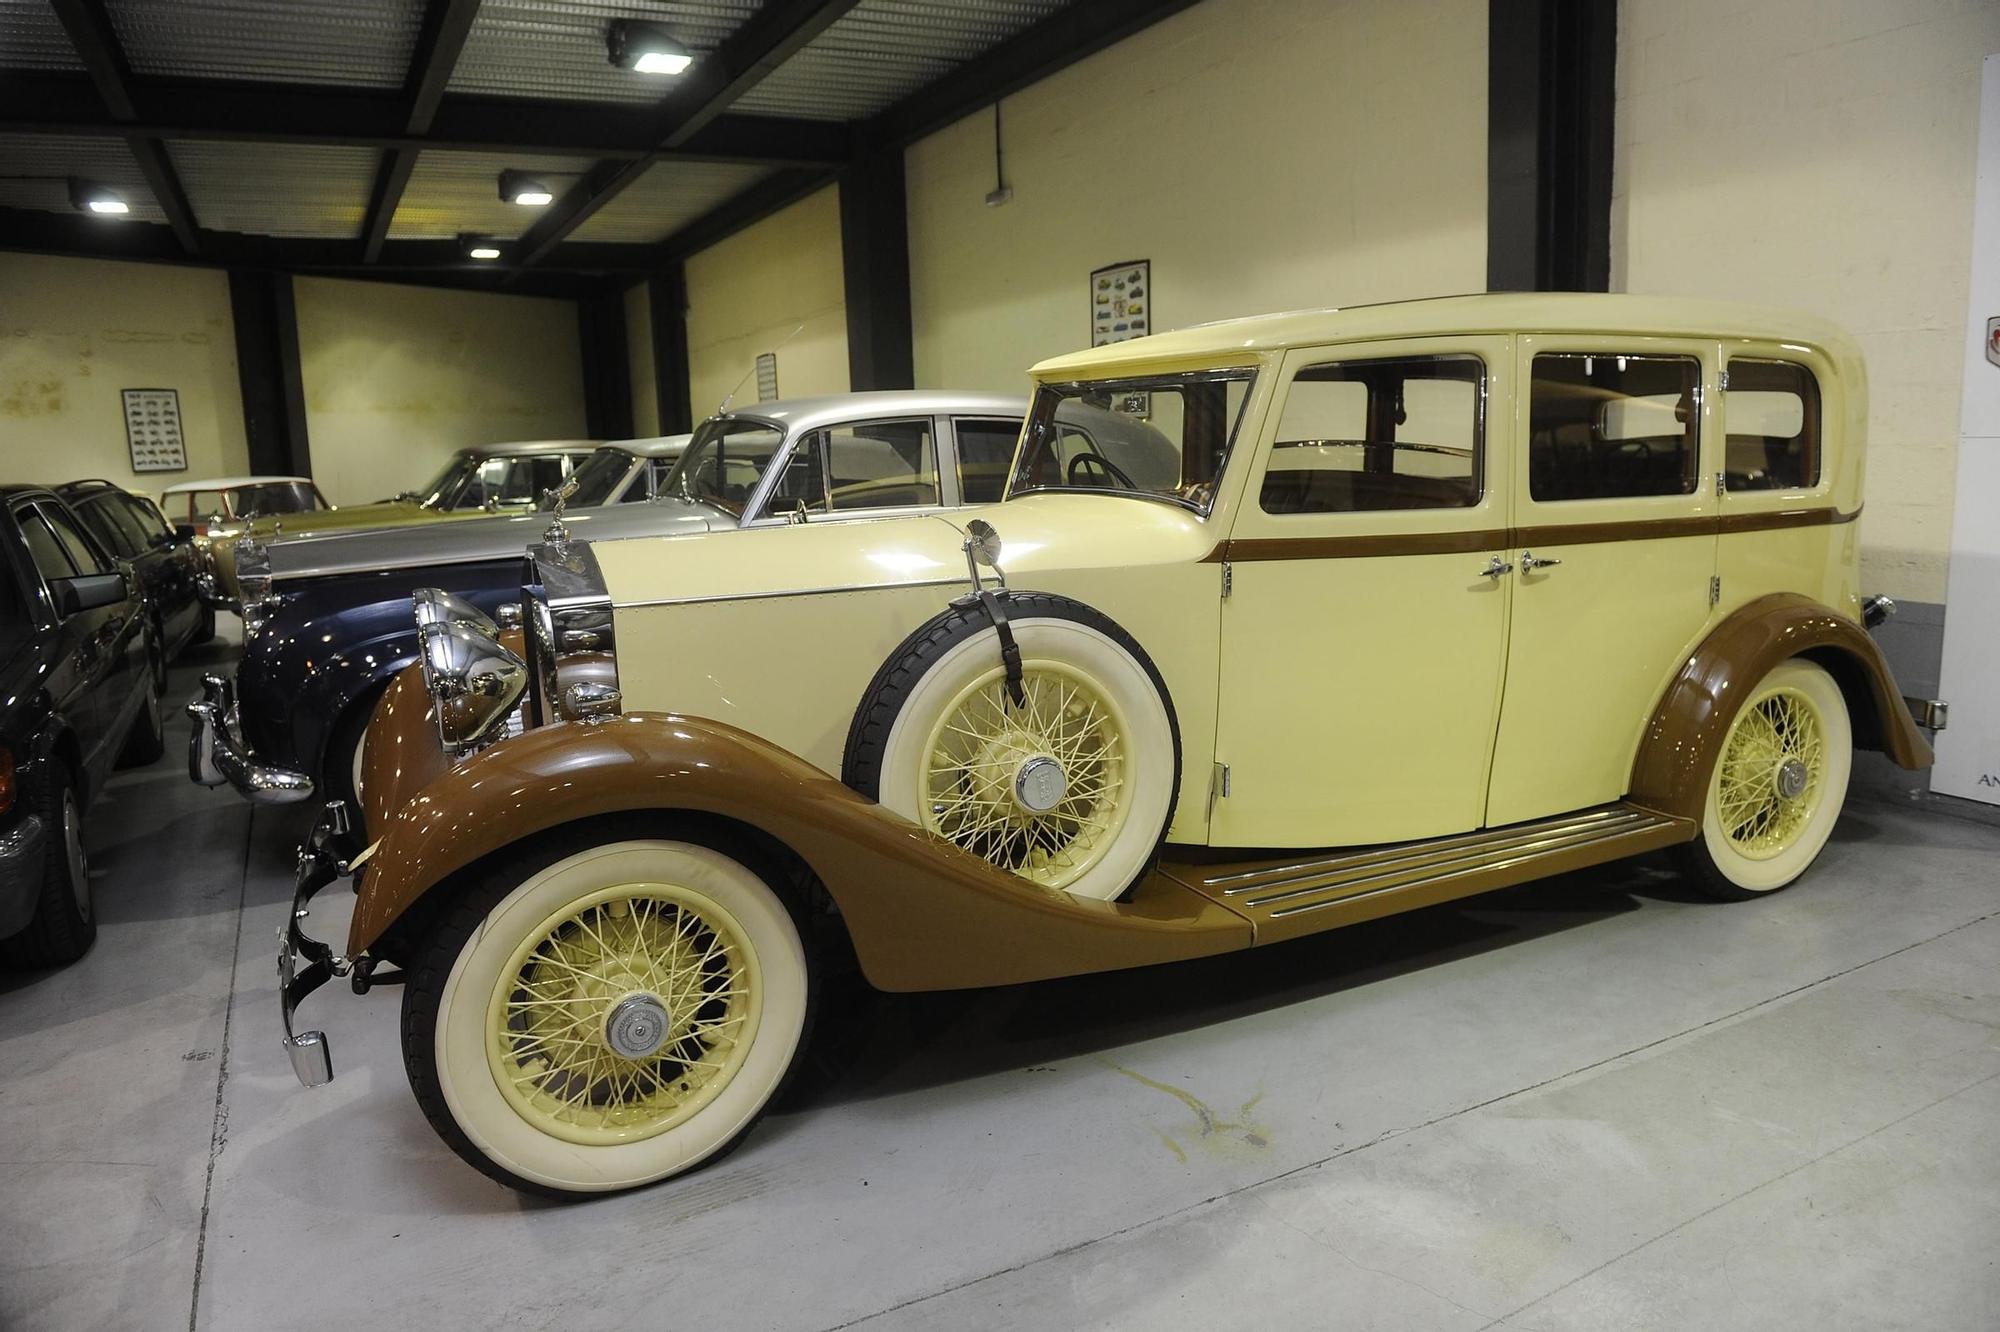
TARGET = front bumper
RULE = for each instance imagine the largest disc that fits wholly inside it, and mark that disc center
(218, 754)
(305, 963)
(212, 596)
(21, 850)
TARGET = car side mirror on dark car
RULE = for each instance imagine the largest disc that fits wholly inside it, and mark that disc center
(185, 532)
(87, 592)
(162, 540)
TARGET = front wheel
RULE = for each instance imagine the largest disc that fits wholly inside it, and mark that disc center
(1778, 785)
(620, 1013)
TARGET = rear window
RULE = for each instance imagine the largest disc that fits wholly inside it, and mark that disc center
(1771, 412)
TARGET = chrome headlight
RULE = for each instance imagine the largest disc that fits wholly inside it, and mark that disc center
(474, 682)
(571, 636)
(253, 579)
(436, 606)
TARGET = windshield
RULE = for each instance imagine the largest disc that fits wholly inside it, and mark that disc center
(449, 489)
(724, 462)
(1159, 437)
(596, 477)
(274, 497)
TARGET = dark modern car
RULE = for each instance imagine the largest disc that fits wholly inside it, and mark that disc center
(78, 694)
(166, 564)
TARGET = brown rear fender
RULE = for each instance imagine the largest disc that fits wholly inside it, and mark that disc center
(1678, 752)
(923, 915)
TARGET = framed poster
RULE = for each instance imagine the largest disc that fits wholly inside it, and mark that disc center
(153, 430)
(767, 376)
(1121, 302)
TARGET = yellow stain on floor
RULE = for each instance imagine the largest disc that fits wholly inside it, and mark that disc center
(1210, 1131)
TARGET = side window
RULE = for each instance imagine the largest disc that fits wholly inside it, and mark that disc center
(541, 475)
(101, 521)
(43, 548)
(985, 452)
(81, 553)
(146, 517)
(1606, 425)
(1388, 433)
(803, 480)
(1771, 413)
(881, 465)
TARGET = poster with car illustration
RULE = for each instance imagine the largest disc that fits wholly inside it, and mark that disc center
(1121, 298)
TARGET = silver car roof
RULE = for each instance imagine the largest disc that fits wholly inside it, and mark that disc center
(831, 409)
(520, 447)
(657, 446)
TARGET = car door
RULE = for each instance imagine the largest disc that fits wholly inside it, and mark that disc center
(80, 656)
(1616, 550)
(123, 670)
(1362, 636)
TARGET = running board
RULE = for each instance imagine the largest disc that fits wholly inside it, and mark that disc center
(1288, 897)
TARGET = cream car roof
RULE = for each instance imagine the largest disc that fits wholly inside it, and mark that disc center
(232, 483)
(1243, 340)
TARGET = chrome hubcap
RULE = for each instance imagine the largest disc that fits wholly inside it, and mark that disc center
(1040, 784)
(637, 1027)
(1791, 779)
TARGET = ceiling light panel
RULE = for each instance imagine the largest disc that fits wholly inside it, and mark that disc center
(668, 197)
(451, 193)
(364, 43)
(883, 50)
(100, 160)
(555, 50)
(31, 37)
(277, 189)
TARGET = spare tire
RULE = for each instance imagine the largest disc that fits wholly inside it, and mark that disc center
(1073, 787)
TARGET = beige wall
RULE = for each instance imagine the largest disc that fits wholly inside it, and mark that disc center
(749, 293)
(1264, 154)
(1819, 154)
(396, 377)
(639, 361)
(74, 332)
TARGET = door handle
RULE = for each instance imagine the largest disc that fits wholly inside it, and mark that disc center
(1496, 567)
(1530, 562)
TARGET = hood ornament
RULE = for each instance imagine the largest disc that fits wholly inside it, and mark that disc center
(557, 533)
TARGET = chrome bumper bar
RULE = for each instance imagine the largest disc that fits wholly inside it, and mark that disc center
(211, 595)
(305, 963)
(217, 754)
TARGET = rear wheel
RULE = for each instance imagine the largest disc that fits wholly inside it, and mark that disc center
(1072, 786)
(1778, 785)
(65, 920)
(621, 1012)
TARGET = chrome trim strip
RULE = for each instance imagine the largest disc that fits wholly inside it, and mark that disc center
(793, 592)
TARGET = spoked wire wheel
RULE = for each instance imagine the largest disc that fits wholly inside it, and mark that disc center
(1778, 784)
(606, 1010)
(1036, 787)
(1773, 770)
(621, 1015)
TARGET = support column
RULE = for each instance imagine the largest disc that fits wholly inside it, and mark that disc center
(1551, 95)
(666, 303)
(267, 369)
(607, 369)
(875, 262)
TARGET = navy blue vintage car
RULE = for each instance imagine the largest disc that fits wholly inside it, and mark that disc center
(327, 619)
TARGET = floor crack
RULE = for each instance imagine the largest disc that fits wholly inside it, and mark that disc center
(219, 1129)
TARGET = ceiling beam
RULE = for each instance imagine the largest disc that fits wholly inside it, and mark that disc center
(96, 42)
(241, 112)
(446, 25)
(1060, 40)
(744, 59)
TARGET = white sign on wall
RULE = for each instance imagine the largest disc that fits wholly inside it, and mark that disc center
(1968, 751)
(153, 430)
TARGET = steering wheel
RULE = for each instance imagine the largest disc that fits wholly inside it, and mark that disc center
(1112, 471)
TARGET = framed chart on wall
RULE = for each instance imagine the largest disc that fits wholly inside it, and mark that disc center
(153, 430)
(1121, 302)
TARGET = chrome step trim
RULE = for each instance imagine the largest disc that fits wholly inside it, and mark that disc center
(1414, 853)
(1507, 851)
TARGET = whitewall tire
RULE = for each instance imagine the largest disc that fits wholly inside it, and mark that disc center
(619, 1014)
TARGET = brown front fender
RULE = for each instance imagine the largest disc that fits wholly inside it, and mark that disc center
(922, 914)
(1678, 752)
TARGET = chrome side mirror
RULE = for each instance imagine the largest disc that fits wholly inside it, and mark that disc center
(982, 547)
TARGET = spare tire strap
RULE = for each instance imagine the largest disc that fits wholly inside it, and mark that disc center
(1010, 651)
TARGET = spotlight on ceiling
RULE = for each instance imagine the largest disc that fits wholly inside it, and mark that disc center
(646, 48)
(89, 197)
(479, 247)
(518, 187)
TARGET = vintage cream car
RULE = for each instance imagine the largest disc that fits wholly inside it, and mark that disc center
(1442, 596)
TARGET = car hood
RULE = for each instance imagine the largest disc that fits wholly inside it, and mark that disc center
(1038, 533)
(382, 513)
(474, 540)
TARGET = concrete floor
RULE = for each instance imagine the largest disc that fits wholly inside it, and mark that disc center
(1590, 1103)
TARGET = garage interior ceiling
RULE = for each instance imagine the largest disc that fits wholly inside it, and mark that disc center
(365, 137)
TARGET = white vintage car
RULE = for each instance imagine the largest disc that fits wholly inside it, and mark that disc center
(1429, 599)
